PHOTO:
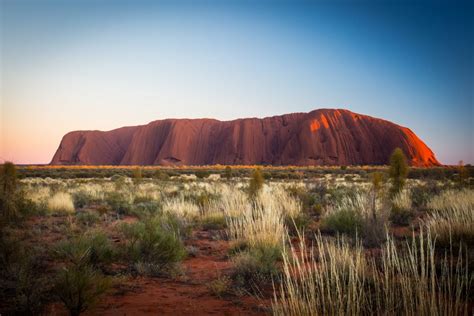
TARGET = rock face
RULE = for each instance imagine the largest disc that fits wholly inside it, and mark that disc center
(320, 137)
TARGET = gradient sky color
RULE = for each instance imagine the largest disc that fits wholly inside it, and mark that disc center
(103, 64)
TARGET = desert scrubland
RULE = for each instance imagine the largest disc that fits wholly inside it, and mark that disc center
(235, 240)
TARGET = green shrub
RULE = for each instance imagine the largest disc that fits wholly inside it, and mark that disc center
(79, 287)
(118, 203)
(8, 191)
(153, 241)
(80, 199)
(201, 174)
(161, 175)
(146, 209)
(343, 221)
(256, 183)
(255, 267)
(421, 194)
(93, 248)
(88, 218)
(398, 170)
(228, 173)
(137, 175)
(23, 287)
(220, 286)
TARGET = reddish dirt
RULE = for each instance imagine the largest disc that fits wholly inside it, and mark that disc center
(188, 295)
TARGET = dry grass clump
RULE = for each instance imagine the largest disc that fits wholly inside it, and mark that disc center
(329, 279)
(463, 199)
(337, 279)
(259, 227)
(61, 202)
(182, 208)
(451, 219)
(402, 200)
(278, 198)
(402, 212)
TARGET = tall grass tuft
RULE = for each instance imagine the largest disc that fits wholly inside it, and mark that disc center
(451, 218)
(335, 278)
(61, 202)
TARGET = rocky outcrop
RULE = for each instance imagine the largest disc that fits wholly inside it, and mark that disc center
(320, 137)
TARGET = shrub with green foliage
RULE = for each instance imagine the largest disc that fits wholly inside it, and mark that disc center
(88, 218)
(8, 191)
(255, 267)
(344, 221)
(228, 173)
(153, 241)
(398, 170)
(256, 183)
(92, 248)
(118, 202)
(23, 287)
(79, 287)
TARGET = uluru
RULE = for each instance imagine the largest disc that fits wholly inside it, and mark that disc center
(320, 137)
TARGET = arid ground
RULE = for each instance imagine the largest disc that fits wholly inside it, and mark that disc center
(237, 241)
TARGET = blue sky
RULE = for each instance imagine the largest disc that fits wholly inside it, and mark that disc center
(68, 65)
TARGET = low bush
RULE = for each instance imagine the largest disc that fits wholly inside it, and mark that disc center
(254, 268)
(153, 241)
(119, 202)
(23, 286)
(256, 183)
(146, 209)
(343, 221)
(92, 248)
(79, 287)
(220, 286)
(88, 218)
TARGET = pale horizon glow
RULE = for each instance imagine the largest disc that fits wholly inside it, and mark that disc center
(101, 65)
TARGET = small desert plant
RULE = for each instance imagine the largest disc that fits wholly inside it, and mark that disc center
(259, 227)
(22, 284)
(153, 241)
(402, 212)
(8, 191)
(344, 221)
(256, 183)
(398, 170)
(161, 175)
(228, 172)
(92, 248)
(137, 175)
(61, 202)
(120, 203)
(79, 287)
(220, 286)
(463, 175)
(354, 216)
(88, 218)
(255, 267)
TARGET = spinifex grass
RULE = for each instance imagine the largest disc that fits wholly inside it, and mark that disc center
(335, 278)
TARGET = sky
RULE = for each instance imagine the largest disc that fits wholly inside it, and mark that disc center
(101, 64)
